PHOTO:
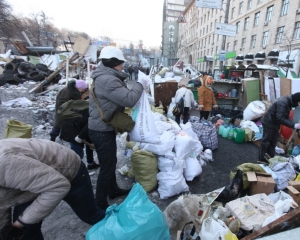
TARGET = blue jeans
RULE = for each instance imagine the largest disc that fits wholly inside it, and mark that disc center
(80, 198)
(106, 148)
(79, 150)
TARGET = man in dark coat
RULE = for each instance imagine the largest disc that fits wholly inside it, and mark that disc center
(276, 115)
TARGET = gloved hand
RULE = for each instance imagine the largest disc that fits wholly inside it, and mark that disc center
(10, 232)
(144, 79)
(79, 140)
(297, 126)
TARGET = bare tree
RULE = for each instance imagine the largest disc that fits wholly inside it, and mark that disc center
(9, 24)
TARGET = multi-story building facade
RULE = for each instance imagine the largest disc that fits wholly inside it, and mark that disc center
(262, 26)
(171, 12)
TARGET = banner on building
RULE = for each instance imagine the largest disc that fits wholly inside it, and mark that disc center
(181, 18)
(209, 3)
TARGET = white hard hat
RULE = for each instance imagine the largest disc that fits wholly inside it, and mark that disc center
(111, 52)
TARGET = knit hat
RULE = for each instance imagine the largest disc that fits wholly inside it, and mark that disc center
(183, 82)
(296, 99)
(112, 62)
(80, 84)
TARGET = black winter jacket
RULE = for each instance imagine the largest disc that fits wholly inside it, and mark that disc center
(76, 126)
(278, 113)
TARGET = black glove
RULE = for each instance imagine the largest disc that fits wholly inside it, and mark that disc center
(9, 232)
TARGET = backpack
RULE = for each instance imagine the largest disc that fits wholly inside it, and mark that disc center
(72, 109)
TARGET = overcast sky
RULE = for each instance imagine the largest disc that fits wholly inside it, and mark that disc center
(129, 20)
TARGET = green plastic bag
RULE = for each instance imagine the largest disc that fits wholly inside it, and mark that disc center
(17, 129)
(137, 218)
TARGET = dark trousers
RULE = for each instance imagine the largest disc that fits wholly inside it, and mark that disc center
(106, 148)
(185, 116)
(136, 75)
(79, 150)
(81, 200)
(54, 133)
(268, 143)
(204, 114)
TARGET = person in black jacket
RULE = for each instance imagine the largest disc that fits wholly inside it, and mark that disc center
(74, 131)
(277, 114)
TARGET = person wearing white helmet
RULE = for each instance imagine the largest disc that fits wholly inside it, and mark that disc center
(112, 95)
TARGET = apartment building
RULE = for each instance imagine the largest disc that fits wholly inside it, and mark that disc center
(171, 12)
(267, 32)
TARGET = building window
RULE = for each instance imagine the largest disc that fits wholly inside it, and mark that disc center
(235, 45)
(217, 50)
(211, 24)
(259, 1)
(285, 7)
(243, 43)
(232, 12)
(246, 23)
(265, 38)
(269, 14)
(256, 18)
(208, 16)
(220, 19)
(206, 28)
(249, 6)
(228, 47)
(238, 27)
(279, 35)
(240, 7)
(297, 30)
(253, 41)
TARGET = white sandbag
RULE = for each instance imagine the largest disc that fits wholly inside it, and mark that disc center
(166, 164)
(184, 145)
(175, 126)
(187, 128)
(167, 142)
(144, 129)
(285, 172)
(157, 79)
(254, 110)
(197, 151)
(206, 156)
(192, 169)
(171, 183)
(161, 127)
(171, 106)
(158, 117)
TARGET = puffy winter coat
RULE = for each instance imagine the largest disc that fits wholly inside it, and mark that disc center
(67, 93)
(278, 113)
(206, 97)
(34, 169)
(112, 95)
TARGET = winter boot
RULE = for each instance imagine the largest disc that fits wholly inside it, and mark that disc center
(116, 192)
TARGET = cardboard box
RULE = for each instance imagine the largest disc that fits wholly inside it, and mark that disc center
(260, 183)
(257, 143)
(294, 190)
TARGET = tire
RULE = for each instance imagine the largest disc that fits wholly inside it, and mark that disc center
(17, 61)
(35, 76)
(27, 65)
(10, 66)
(42, 67)
(19, 78)
(8, 72)
(8, 76)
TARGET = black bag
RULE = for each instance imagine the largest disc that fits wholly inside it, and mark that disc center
(179, 107)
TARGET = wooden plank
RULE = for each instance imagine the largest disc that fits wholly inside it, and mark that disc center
(288, 221)
(81, 45)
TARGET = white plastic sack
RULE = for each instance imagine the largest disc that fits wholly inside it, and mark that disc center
(249, 124)
(165, 164)
(281, 207)
(207, 156)
(144, 129)
(215, 230)
(161, 127)
(187, 128)
(254, 110)
(157, 79)
(171, 183)
(171, 106)
(285, 173)
(22, 101)
(192, 169)
(275, 197)
(184, 145)
(197, 150)
(167, 142)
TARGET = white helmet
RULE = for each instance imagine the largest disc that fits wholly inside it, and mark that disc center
(111, 52)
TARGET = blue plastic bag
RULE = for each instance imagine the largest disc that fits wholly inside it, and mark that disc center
(136, 218)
